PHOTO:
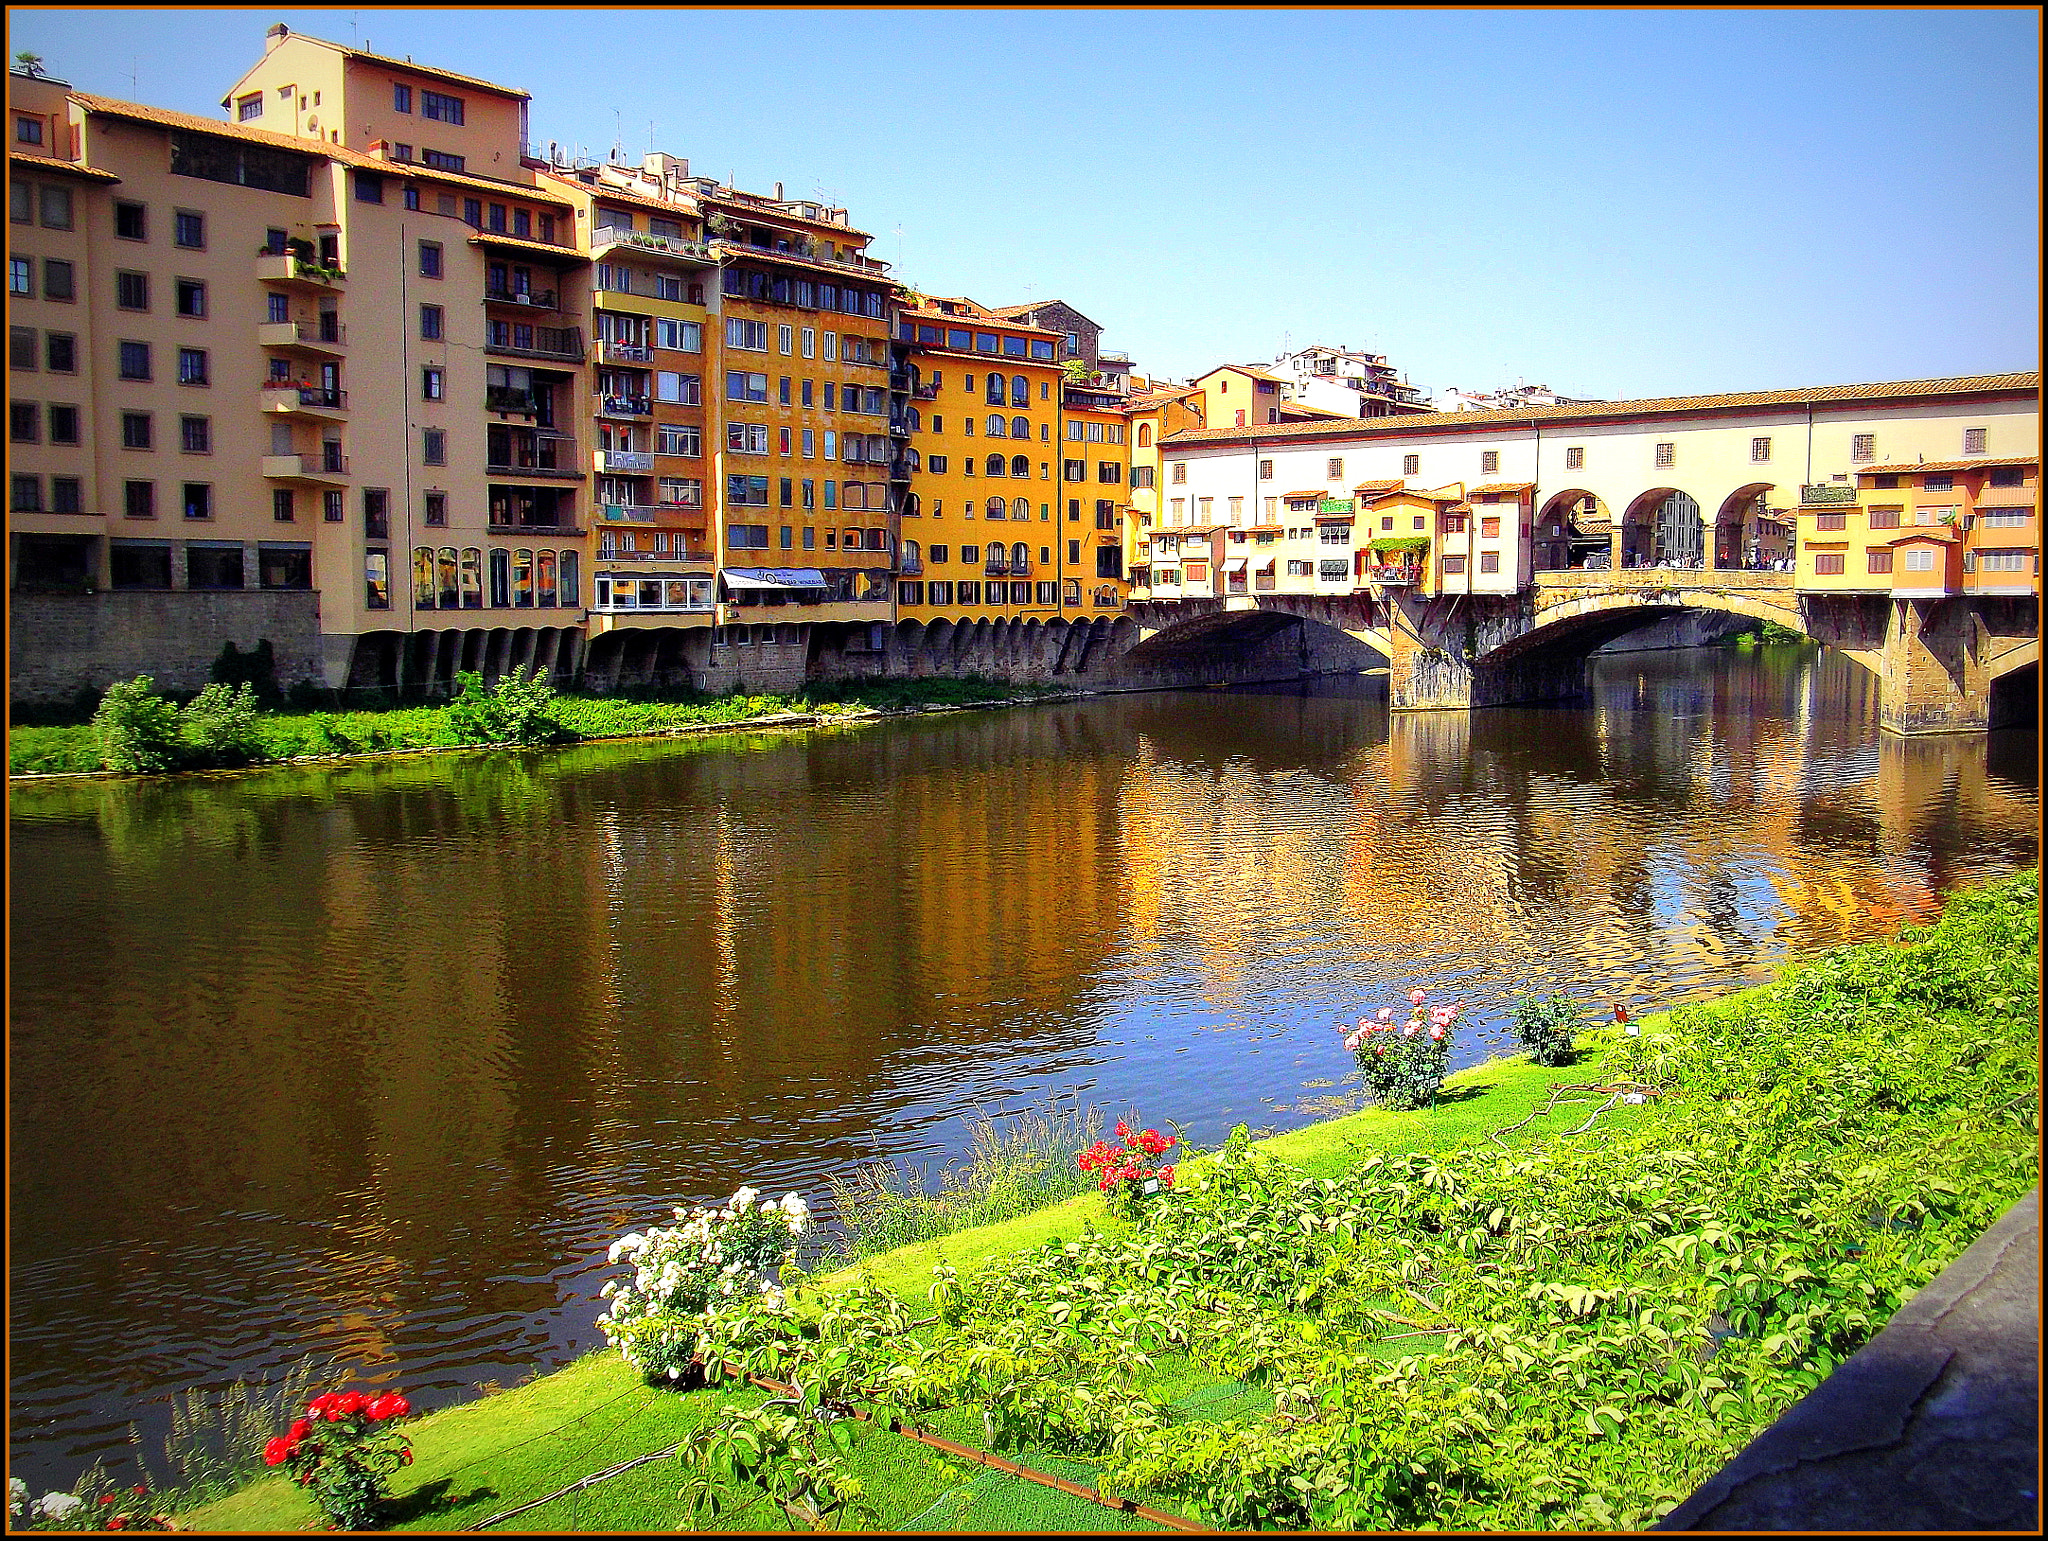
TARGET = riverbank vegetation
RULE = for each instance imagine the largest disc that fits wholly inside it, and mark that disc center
(133, 727)
(1568, 1314)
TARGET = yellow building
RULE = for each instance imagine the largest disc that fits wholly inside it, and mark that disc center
(980, 541)
(1095, 470)
(1924, 531)
(1152, 410)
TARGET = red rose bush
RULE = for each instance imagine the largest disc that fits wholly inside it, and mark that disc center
(344, 1451)
(1129, 1172)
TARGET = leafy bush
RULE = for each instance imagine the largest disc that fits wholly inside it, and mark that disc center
(1546, 1027)
(1404, 1067)
(345, 1451)
(518, 710)
(137, 729)
(220, 727)
(1130, 1171)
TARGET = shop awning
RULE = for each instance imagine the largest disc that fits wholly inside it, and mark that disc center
(1335, 518)
(773, 578)
(1235, 564)
(1317, 493)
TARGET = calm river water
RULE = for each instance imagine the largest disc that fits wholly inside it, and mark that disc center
(374, 1061)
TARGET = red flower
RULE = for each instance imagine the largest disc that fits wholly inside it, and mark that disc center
(139, 1490)
(405, 1457)
(300, 1428)
(117, 1523)
(108, 1499)
(1166, 1177)
(276, 1451)
(390, 1405)
(345, 1404)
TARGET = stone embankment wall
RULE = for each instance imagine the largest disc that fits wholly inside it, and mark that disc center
(62, 644)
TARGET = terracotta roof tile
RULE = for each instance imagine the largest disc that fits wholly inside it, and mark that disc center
(740, 251)
(418, 69)
(1505, 487)
(1589, 412)
(539, 248)
(50, 163)
(1389, 484)
(1950, 465)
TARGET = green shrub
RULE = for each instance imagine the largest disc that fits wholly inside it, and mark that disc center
(137, 729)
(256, 668)
(519, 710)
(220, 727)
(1545, 1027)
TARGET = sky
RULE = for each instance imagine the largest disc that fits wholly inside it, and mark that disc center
(1613, 203)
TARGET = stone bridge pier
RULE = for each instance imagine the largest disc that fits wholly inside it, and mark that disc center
(1955, 664)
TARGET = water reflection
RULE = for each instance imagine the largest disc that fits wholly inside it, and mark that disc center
(372, 1060)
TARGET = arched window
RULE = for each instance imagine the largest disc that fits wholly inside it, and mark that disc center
(911, 506)
(1020, 558)
(995, 465)
(1020, 508)
(997, 425)
(911, 553)
(1020, 427)
(912, 460)
(1144, 435)
(916, 422)
(522, 580)
(1020, 391)
(995, 390)
(473, 578)
(547, 580)
(450, 598)
(423, 577)
(1020, 465)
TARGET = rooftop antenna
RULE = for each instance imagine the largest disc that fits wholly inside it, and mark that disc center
(134, 66)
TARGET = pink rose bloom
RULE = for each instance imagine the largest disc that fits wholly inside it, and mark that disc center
(1409, 1030)
(1353, 1040)
(1436, 1032)
(1386, 1013)
(1415, 997)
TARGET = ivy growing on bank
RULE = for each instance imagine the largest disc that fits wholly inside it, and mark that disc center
(1572, 1334)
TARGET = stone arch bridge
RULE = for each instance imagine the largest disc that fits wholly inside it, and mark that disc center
(1943, 665)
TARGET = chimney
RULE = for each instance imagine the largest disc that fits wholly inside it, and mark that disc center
(778, 192)
(275, 35)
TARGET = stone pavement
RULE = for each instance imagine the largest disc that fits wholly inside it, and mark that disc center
(1933, 1425)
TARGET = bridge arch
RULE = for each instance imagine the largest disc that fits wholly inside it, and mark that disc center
(1663, 528)
(1739, 529)
(1574, 526)
(1575, 626)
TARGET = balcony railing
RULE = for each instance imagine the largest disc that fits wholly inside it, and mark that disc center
(540, 457)
(910, 566)
(625, 462)
(625, 353)
(1394, 575)
(666, 245)
(899, 427)
(536, 299)
(288, 267)
(324, 335)
(318, 396)
(304, 467)
(654, 556)
(502, 398)
(551, 531)
(548, 342)
(625, 406)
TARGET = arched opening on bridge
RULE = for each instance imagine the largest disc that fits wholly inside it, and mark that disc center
(1663, 528)
(1264, 644)
(1746, 534)
(1574, 530)
(2016, 698)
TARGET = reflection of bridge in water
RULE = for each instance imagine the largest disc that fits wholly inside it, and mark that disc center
(1957, 664)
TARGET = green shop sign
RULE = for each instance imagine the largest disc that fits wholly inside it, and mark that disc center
(1337, 506)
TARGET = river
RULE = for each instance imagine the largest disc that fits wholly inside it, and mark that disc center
(372, 1060)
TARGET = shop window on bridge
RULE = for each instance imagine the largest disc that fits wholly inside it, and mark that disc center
(1880, 561)
(1832, 563)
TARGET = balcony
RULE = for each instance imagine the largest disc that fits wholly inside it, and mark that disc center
(899, 427)
(559, 343)
(910, 566)
(291, 400)
(296, 272)
(625, 353)
(326, 338)
(702, 558)
(529, 299)
(522, 453)
(326, 470)
(539, 531)
(668, 515)
(1394, 577)
(624, 462)
(610, 236)
(625, 406)
(1826, 494)
(503, 398)
(925, 393)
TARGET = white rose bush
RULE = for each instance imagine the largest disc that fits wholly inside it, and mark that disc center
(684, 1274)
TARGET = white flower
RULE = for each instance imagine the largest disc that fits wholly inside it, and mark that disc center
(56, 1505)
(744, 1198)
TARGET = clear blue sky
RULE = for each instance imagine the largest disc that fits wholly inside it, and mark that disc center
(1614, 203)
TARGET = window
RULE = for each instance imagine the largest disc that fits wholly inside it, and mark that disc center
(250, 106)
(369, 187)
(27, 495)
(439, 108)
(284, 566)
(742, 386)
(1863, 446)
(1575, 458)
(63, 424)
(433, 447)
(1940, 482)
(21, 275)
(20, 202)
(2001, 476)
(1829, 564)
(1884, 517)
(139, 499)
(1142, 477)
(2010, 560)
(135, 364)
(430, 259)
(430, 323)
(28, 130)
(195, 435)
(1489, 462)
(1453, 565)
(441, 160)
(131, 291)
(1759, 450)
(198, 500)
(24, 422)
(401, 98)
(59, 280)
(56, 207)
(192, 366)
(433, 384)
(1878, 561)
(191, 297)
(679, 336)
(473, 215)
(1489, 527)
(1109, 471)
(1831, 521)
(1411, 465)
(60, 355)
(1489, 561)
(751, 335)
(1667, 455)
(1974, 439)
(136, 431)
(1178, 478)
(435, 508)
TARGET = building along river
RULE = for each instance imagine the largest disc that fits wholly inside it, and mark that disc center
(372, 1060)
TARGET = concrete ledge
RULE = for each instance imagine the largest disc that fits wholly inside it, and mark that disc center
(1934, 1425)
